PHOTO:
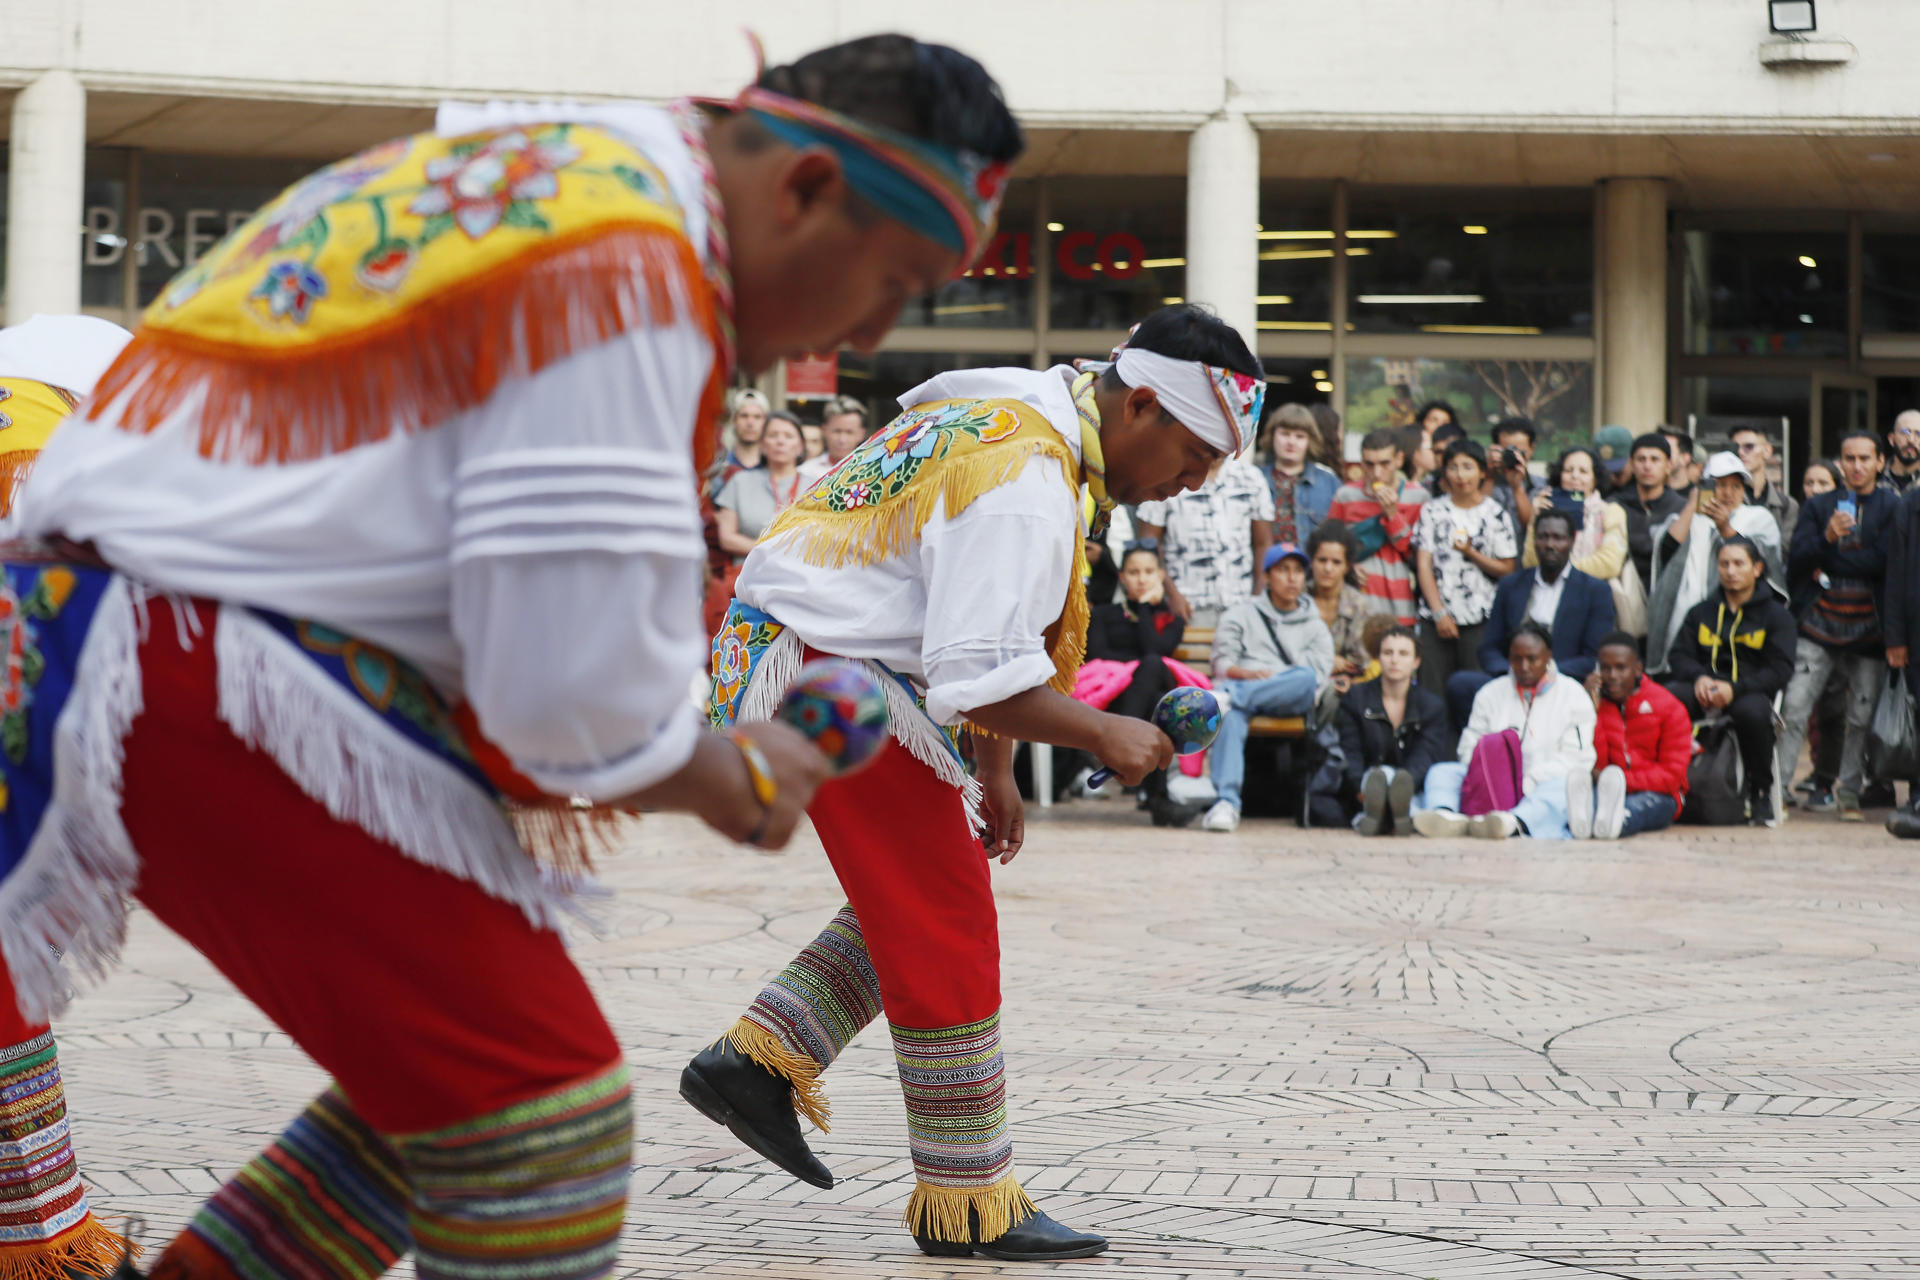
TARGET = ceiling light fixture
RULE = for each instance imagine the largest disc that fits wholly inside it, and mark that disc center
(1790, 17)
(1418, 299)
(1806, 260)
(1474, 229)
(1056, 226)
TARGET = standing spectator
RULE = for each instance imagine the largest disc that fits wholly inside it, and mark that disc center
(1302, 488)
(812, 443)
(1600, 526)
(1902, 627)
(1687, 550)
(1643, 742)
(1443, 437)
(1211, 538)
(1331, 450)
(747, 424)
(1382, 515)
(1820, 476)
(1838, 563)
(1735, 652)
(842, 429)
(1464, 544)
(1392, 731)
(1576, 610)
(1422, 461)
(1682, 475)
(1648, 502)
(750, 500)
(1141, 628)
(1904, 465)
(1828, 730)
(1613, 445)
(1435, 414)
(1272, 656)
(1554, 717)
(1514, 487)
(1756, 451)
(1343, 606)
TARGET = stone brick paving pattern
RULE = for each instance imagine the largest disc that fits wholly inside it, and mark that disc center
(1273, 1054)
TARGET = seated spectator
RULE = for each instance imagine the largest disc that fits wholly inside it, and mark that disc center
(1392, 731)
(1554, 718)
(1463, 545)
(1272, 656)
(1685, 552)
(1381, 515)
(1734, 653)
(1578, 609)
(1302, 488)
(1838, 567)
(1343, 606)
(1213, 540)
(1643, 743)
(1139, 629)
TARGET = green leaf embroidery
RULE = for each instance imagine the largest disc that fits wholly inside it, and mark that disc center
(522, 213)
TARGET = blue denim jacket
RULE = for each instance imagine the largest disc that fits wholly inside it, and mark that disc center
(1312, 495)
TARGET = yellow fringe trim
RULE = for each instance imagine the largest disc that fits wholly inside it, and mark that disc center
(940, 1213)
(800, 1071)
(91, 1248)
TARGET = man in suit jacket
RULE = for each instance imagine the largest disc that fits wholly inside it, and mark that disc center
(1576, 607)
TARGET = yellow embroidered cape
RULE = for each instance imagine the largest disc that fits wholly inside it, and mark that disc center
(29, 411)
(941, 455)
(401, 286)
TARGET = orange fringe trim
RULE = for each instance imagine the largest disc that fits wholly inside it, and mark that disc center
(92, 1248)
(13, 473)
(564, 836)
(802, 1072)
(418, 368)
(940, 1213)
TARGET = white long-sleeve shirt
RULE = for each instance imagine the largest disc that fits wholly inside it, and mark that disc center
(1556, 732)
(962, 612)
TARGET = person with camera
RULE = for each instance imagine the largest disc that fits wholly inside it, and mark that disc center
(1687, 549)
(1734, 652)
(1513, 485)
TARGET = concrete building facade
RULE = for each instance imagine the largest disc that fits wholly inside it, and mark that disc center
(1587, 212)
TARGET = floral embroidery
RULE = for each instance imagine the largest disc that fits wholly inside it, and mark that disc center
(887, 463)
(494, 183)
(388, 685)
(23, 663)
(290, 289)
(386, 265)
(736, 647)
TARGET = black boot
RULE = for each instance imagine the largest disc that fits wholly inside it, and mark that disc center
(1760, 807)
(729, 1088)
(1038, 1238)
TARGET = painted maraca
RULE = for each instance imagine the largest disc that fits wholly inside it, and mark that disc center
(1188, 715)
(839, 705)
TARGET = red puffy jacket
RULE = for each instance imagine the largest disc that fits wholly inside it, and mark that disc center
(1652, 743)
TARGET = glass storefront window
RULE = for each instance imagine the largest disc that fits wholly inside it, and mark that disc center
(1764, 293)
(1890, 283)
(1448, 260)
(103, 238)
(1556, 394)
(997, 293)
(1118, 249)
(1712, 407)
(1296, 258)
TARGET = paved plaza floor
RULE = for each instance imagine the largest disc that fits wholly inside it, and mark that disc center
(1276, 1053)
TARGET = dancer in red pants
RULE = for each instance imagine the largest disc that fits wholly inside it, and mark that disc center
(948, 552)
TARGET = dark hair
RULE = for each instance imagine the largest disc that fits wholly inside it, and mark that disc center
(1860, 435)
(1839, 481)
(1337, 532)
(1465, 448)
(1554, 513)
(1447, 432)
(1748, 429)
(1615, 639)
(1593, 460)
(1524, 426)
(1402, 630)
(927, 91)
(1742, 540)
(1675, 436)
(1374, 628)
(783, 415)
(1189, 331)
(1330, 444)
(1651, 440)
(1410, 438)
(1528, 627)
(1383, 438)
(1144, 547)
(1420, 414)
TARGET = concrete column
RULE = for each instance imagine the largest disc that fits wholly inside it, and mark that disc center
(1633, 313)
(1223, 210)
(47, 165)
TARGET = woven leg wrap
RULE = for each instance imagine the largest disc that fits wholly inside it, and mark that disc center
(799, 1024)
(46, 1229)
(954, 1079)
(327, 1199)
(535, 1189)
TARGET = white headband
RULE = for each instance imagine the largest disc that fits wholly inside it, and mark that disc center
(1211, 403)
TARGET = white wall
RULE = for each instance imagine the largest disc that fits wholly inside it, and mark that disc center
(1625, 64)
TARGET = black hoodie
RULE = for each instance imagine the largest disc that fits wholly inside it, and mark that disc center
(1750, 647)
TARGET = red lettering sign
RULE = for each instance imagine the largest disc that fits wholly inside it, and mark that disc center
(1071, 244)
(813, 377)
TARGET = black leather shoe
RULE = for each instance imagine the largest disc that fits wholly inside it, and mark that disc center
(1037, 1239)
(1904, 823)
(756, 1105)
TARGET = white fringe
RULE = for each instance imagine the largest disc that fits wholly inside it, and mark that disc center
(778, 670)
(336, 749)
(63, 911)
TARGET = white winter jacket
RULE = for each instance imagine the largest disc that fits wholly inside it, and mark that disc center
(1556, 729)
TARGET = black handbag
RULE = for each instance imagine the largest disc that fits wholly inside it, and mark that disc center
(1716, 796)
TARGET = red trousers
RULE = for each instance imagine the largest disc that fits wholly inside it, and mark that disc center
(918, 879)
(427, 1000)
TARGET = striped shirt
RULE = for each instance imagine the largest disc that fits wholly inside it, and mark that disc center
(1387, 538)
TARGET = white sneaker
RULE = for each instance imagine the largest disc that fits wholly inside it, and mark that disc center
(1610, 803)
(1498, 825)
(1580, 806)
(1440, 824)
(1222, 817)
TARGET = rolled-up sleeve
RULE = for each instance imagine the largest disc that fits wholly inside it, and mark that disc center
(577, 556)
(996, 579)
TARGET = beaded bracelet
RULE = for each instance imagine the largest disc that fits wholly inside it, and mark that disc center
(766, 789)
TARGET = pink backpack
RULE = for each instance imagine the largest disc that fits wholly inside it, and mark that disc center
(1492, 784)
